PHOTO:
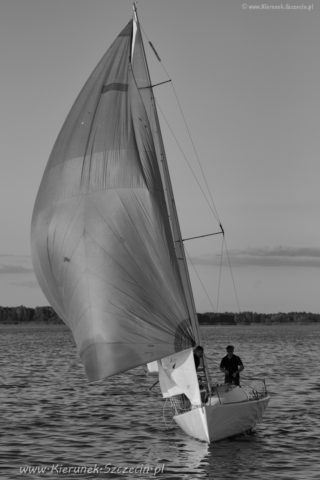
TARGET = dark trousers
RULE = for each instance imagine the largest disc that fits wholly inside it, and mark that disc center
(232, 380)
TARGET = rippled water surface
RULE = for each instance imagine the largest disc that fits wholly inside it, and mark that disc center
(53, 421)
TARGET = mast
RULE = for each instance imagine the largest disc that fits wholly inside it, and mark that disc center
(172, 211)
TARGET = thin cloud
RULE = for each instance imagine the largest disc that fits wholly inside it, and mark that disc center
(266, 257)
(15, 264)
(301, 252)
(14, 269)
(26, 283)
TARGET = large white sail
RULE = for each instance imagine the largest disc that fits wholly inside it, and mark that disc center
(102, 244)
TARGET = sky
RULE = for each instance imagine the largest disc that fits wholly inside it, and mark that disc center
(247, 77)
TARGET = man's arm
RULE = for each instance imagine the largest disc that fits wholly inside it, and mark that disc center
(240, 365)
(223, 368)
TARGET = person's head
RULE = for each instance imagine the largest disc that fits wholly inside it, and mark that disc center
(230, 350)
(198, 351)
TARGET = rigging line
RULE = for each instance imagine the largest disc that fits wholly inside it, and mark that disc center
(219, 277)
(155, 51)
(202, 236)
(232, 277)
(213, 211)
(155, 85)
(212, 205)
(201, 283)
(195, 152)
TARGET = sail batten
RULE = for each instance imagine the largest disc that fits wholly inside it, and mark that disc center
(102, 243)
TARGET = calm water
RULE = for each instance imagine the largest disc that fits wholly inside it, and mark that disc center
(54, 421)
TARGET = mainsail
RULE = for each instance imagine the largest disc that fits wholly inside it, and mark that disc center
(103, 247)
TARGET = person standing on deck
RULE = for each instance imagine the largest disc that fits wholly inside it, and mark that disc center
(198, 356)
(198, 363)
(231, 365)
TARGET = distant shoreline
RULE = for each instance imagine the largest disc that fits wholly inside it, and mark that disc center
(46, 315)
(248, 318)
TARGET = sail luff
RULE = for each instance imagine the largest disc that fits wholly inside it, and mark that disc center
(171, 205)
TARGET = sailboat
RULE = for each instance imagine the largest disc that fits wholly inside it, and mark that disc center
(107, 248)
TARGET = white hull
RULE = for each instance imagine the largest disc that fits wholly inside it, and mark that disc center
(222, 419)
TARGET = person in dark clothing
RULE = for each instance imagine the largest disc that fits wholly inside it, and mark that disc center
(231, 365)
(198, 362)
(197, 355)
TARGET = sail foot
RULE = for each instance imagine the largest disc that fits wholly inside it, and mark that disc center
(103, 359)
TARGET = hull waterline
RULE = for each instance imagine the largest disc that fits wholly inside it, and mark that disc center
(210, 423)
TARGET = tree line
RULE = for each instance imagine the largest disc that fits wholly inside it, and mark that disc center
(248, 318)
(22, 314)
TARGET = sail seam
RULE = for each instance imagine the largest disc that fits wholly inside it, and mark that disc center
(120, 87)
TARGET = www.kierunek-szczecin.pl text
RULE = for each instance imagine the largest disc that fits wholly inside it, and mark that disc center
(60, 469)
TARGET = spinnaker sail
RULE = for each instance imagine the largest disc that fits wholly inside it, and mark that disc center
(103, 247)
